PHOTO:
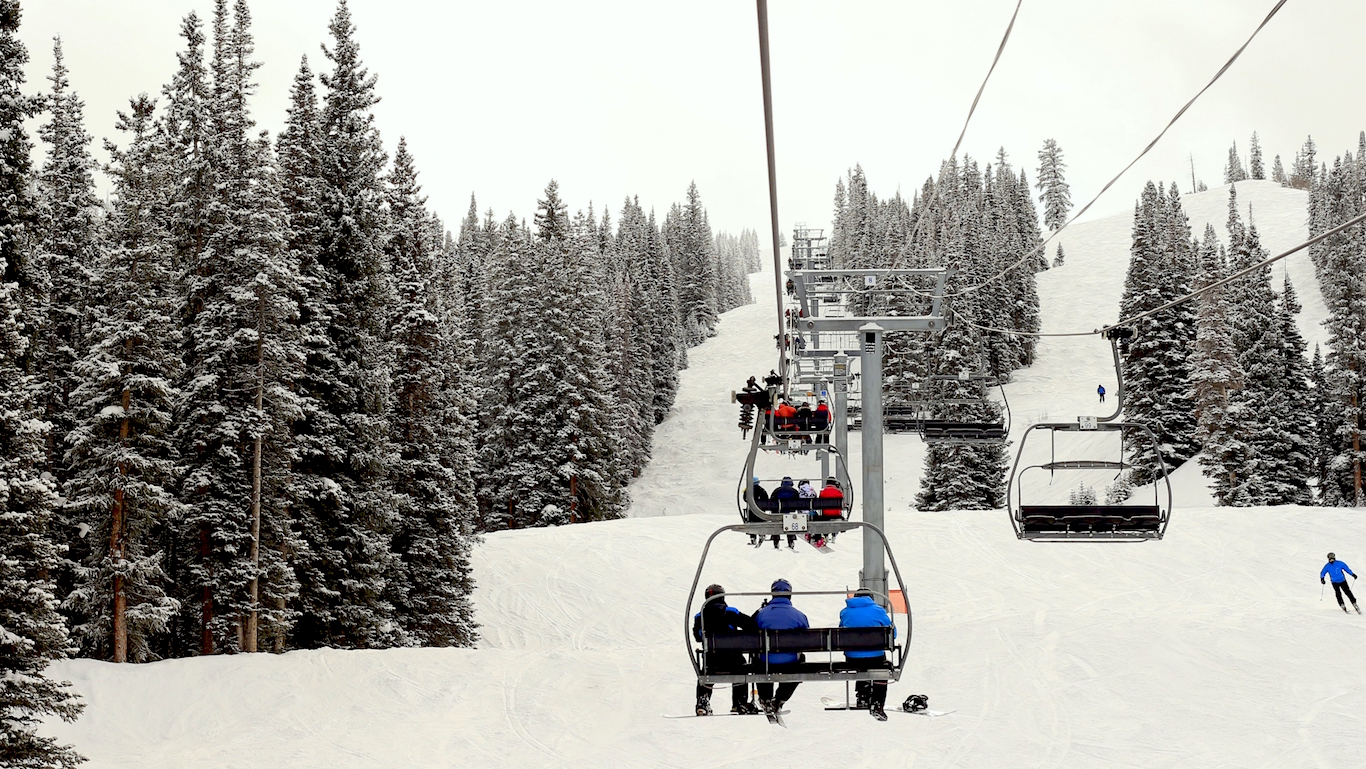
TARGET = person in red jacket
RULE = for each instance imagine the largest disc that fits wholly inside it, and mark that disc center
(785, 418)
(831, 491)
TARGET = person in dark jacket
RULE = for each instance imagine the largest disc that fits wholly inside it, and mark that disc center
(1100, 390)
(787, 496)
(778, 613)
(1337, 569)
(820, 421)
(718, 618)
(861, 611)
(760, 496)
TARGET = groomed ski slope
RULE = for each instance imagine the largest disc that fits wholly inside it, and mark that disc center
(1208, 649)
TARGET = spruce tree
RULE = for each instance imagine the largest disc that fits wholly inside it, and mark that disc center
(1255, 169)
(1216, 375)
(68, 248)
(1233, 170)
(431, 475)
(1060, 259)
(689, 238)
(35, 634)
(345, 506)
(123, 459)
(1278, 171)
(1054, 193)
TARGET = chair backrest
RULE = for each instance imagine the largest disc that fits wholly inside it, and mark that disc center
(848, 639)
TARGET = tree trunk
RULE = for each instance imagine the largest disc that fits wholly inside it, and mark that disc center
(206, 606)
(1356, 454)
(116, 546)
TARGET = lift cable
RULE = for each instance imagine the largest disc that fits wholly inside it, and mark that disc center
(970, 289)
(1187, 297)
(954, 153)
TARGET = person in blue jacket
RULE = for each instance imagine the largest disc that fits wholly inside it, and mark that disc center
(861, 611)
(717, 618)
(778, 613)
(1336, 569)
(1100, 390)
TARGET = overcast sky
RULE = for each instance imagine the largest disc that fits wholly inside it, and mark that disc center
(615, 98)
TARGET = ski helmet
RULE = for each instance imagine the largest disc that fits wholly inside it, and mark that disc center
(781, 587)
(863, 591)
(1332, 557)
(715, 589)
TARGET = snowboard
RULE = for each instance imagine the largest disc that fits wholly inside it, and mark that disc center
(831, 703)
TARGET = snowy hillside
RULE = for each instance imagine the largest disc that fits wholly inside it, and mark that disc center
(1207, 649)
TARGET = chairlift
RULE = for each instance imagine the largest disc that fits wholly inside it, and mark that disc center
(830, 642)
(1091, 522)
(773, 510)
(949, 431)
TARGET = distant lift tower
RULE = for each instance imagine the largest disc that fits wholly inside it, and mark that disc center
(826, 336)
(809, 249)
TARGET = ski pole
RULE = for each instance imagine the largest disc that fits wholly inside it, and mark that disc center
(1322, 586)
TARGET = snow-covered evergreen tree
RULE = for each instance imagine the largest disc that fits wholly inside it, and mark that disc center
(1304, 169)
(68, 248)
(123, 461)
(1216, 375)
(1254, 167)
(431, 475)
(1234, 171)
(345, 508)
(1054, 193)
(1278, 171)
(1156, 367)
(1060, 259)
(34, 633)
(689, 239)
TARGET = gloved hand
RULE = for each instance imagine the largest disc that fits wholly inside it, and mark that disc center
(1321, 582)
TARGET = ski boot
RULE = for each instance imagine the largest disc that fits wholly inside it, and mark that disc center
(703, 706)
(1358, 608)
(876, 711)
(746, 709)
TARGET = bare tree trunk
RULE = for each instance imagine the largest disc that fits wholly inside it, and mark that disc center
(206, 610)
(1356, 455)
(254, 588)
(116, 545)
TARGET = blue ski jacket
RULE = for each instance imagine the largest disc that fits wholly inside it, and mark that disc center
(780, 614)
(862, 611)
(1335, 569)
(785, 491)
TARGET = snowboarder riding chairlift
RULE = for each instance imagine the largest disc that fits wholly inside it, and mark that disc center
(1335, 569)
(716, 617)
(861, 611)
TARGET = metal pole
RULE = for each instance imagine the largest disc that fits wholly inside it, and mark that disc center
(874, 576)
(841, 415)
(772, 184)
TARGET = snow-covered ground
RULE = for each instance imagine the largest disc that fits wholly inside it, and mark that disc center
(1206, 649)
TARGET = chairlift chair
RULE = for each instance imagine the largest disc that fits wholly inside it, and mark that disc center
(827, 642)
(1121, 523)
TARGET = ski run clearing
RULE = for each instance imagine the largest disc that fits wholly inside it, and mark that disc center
(1208, 649)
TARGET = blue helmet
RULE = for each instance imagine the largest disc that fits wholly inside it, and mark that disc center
(781, 587)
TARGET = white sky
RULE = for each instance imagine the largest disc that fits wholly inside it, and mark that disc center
(615, 98)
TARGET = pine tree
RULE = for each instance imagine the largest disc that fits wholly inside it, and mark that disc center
(1233, 170)
(1278, 171)
(1054, 193)
(123, 458)
(689, 238)
(1156, 368)
(1255, 169)
(1060, 259)
(1216, 375)
(68, 248)
(345, 509)
(35, 633)
(431, 476)
(1304, 170)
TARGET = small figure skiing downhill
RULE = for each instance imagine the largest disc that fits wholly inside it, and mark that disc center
(1336, 569)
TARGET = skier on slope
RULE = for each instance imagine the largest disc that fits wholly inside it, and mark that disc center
(778, 613)
(862, 611)
(1100, 390)
(1335, 569)
(718, 618)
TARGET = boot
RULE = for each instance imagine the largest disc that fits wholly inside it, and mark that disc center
(876, 711)
(703, 706)
(745, 709)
